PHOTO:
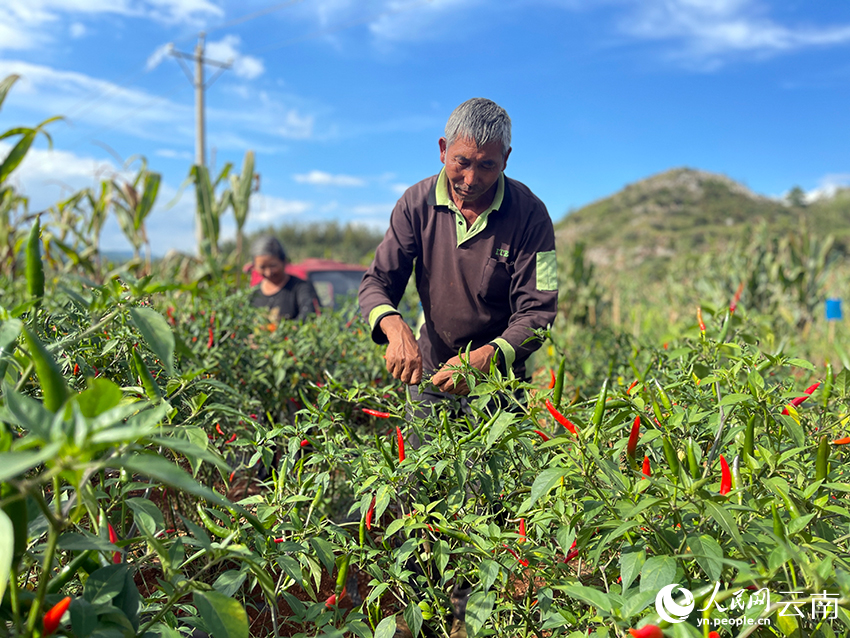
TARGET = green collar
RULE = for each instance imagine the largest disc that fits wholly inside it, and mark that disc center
(443, 199)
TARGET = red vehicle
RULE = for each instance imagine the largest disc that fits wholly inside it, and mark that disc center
(333, 280)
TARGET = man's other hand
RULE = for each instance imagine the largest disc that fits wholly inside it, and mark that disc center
(404, 361)
(478, 359)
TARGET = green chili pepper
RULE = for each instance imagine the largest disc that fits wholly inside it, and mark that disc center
(17, 512)
(693, 466)
(778, 525)
(454, 534)
(363, 530)
(665, 400)
(599, 410)
(61, 579)
(790, 505)
(656, 410)
(447, 426)
(210, 524)
(342, 573)
(749, 436)
(559, 383)
(671, 456)
(477, 431)
(822, 465)
(383, 450)
(54, 390)
(148, 382)
(827, 385)
(34, 265)
(725, 329)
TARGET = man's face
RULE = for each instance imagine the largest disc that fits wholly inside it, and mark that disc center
(472, 170)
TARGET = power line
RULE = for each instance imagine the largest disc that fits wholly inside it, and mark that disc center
(121, 118)
(123, 80)
(256, 14)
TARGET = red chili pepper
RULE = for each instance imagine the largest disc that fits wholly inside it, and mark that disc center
(560, 418)
(428, 525)
(571, 556)
(552, 379)
(647, 631)
(54, 615)
(646, 470)
(170, 312)
(843, 441)
(218, 429)
(400, 440)
(370, 512)
(522, 562)
(522, 537)
(232, 474)
(631, 446)
(376, 413)
(113, 538)
(541, 435)
(631, 387)
(211, 340)
(725, 476)
(279, 540)
(76, 369)
(798, 400)
(700, 321)
(232, 438)
(734, 305)
(713, 634)
(305, 442)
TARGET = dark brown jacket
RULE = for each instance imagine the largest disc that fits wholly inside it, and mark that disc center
(496, 287)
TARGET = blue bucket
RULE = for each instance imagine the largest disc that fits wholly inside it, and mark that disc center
(833, 309)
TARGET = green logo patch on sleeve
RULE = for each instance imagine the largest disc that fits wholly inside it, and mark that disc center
(547, 271)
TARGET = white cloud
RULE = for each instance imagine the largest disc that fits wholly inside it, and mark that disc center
(78, 30)
(320, 178)
(828, 186)
(227, 50)
(708, 32)
(373, 210)
(50, 91)
(267, 210)
(159, 54)
(172, 154)
(25, 24)
(399, 189)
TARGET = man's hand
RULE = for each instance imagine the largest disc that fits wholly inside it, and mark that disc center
(478, 359)
(404, 361)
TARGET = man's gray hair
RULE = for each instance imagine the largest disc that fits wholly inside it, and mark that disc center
(268, 245)
(480, 120)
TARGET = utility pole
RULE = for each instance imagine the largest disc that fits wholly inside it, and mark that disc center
(197, 81)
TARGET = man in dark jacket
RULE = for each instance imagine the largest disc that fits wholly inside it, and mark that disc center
(484, 253)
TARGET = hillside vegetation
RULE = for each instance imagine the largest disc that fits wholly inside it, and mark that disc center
(683, 212)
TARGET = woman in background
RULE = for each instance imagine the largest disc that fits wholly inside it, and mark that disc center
(286, 296)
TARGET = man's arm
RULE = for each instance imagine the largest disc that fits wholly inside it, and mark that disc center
(381, 291)
(533, 294)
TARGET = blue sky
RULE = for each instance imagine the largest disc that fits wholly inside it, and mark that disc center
(344, 100)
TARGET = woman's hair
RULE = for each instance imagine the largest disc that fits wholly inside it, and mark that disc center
(268, 245)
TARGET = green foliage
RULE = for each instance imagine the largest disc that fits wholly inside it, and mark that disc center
(350, 243)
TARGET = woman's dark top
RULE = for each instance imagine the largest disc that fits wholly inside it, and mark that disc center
(295, 300)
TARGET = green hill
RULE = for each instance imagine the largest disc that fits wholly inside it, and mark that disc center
(682, 212)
